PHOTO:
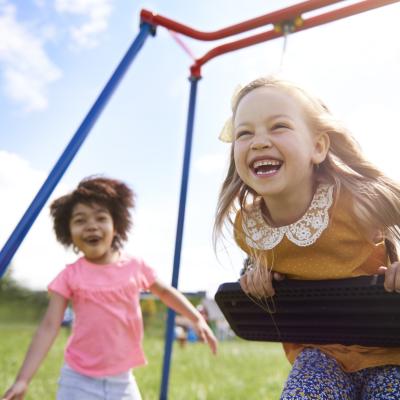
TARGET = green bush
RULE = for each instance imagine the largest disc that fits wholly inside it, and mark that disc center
(18, 303)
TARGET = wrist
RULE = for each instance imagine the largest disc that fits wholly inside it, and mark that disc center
(22, 380)
(197, 318)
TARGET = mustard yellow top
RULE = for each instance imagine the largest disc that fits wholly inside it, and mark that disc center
(326, 243)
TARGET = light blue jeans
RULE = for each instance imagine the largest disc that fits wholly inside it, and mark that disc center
(74, 386)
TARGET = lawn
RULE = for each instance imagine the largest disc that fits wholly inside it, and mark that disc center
(241, 370)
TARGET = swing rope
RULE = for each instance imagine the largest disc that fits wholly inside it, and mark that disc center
(287, 27)
(182, 44)
(286, 31)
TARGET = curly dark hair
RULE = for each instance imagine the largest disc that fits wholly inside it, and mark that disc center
(115, 195)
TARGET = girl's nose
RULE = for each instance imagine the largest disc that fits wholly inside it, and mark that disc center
(261, 141)
(91, 225)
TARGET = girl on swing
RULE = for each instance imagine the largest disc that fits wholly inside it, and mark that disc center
(306, 204)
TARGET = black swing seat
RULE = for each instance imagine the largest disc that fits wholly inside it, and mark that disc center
(346, 311)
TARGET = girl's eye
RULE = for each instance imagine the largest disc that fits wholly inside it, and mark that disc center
(78, 221)
(280, 125)
(103, 217)
(242, 133)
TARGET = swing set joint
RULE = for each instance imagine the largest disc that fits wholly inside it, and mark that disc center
(289, 26)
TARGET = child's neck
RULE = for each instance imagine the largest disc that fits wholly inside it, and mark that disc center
(110, 257)
(285, 211)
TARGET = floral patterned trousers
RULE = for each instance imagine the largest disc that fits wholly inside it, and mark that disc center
(317, 376)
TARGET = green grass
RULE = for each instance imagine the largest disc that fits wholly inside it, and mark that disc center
(241, 370)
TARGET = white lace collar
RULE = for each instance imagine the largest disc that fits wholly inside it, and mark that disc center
(304, 232)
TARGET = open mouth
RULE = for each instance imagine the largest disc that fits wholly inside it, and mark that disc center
(266, 167)
(92, 240)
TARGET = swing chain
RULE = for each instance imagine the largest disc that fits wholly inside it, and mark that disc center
(286, 27)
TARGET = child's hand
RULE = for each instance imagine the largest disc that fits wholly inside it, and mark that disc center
(205, 334)
(392, 277)
(258, 283)
(16, 392)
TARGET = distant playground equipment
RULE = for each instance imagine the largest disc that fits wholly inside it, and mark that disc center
(184, 333)
(280, 23)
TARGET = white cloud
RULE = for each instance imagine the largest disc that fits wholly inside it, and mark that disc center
(377, 134)
(205, 271)
(211, 163)
(27, 70)
(97, 13)
(18, 181)
(39, 257)
(153, 239)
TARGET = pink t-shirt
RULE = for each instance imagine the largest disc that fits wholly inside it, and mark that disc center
(107, 332)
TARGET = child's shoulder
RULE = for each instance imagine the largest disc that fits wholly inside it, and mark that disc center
(71, 266)
(139, 268)
(133, 260)
(130, 258)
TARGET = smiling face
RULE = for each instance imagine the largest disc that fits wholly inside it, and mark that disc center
(92, 231)
(274, 148)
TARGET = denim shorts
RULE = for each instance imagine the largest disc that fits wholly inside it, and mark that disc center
(74, 386)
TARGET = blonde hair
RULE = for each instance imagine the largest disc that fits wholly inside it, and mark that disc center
(376, 198)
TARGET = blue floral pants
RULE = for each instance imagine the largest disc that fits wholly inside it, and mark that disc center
(317, 376)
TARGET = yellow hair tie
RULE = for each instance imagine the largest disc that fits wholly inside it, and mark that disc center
(226, 134)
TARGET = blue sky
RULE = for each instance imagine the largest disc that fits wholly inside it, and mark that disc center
(56, 56)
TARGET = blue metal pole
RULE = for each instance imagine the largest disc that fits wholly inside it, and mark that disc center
(169, 334)
(70, 151)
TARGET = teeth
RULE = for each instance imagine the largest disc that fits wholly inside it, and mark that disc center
(266, 172)
(266, 162)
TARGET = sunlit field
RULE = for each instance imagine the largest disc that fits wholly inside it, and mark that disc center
(241, 370)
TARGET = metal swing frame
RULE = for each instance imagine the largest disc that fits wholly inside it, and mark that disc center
(276, 22)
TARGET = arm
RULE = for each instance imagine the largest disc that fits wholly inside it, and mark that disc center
(392, 277)
(392, 272)
(179, 303)
(39, 347)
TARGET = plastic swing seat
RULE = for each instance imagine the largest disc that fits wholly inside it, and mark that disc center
(346, 311)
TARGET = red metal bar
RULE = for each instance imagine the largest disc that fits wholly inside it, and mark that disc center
(272, 34)
(271, 18)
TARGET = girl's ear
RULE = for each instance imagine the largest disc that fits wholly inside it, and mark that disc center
(321, 147)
